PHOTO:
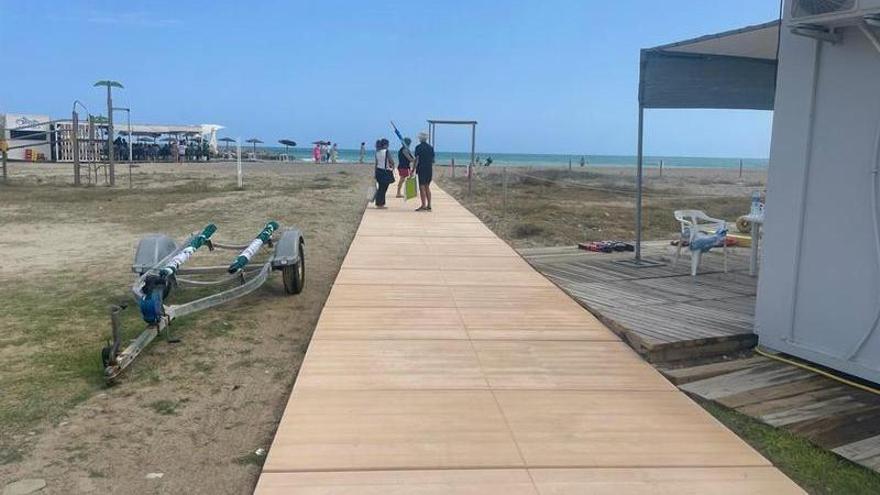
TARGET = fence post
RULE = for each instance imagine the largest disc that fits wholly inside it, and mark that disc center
(470, 173)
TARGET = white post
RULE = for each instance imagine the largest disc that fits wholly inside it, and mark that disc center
(238, 146)
(130, 156)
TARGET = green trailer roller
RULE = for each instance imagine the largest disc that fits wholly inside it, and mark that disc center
(163, 268)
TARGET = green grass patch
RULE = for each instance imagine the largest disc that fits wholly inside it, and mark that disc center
(165, 407)
(815, 469)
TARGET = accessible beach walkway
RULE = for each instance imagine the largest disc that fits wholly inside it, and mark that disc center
(443, 363)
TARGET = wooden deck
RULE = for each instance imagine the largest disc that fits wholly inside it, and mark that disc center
(663, 312)
(830, 414)
(444, 364)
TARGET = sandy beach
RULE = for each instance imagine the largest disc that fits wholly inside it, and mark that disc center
(196, 411)
(553, 206)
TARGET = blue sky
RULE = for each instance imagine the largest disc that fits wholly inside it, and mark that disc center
(555, 76)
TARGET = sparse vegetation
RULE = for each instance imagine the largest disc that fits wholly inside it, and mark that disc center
(815, 469)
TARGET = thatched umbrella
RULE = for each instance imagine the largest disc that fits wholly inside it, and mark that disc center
(287, 143)
(227, 140)
(255, 142)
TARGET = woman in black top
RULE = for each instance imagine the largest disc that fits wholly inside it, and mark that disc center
(384, 171)
(424, 169)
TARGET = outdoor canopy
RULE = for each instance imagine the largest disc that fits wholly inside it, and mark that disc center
(730, 70)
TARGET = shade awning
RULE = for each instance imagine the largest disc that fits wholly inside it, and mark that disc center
(730, 70)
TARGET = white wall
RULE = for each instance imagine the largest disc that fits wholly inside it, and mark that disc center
(819, 288)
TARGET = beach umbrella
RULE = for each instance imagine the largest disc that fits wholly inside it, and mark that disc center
(227, 140)
(255, 142)
(287, 143)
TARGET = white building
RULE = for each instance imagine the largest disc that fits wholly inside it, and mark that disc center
(27, 136)
(819, 70)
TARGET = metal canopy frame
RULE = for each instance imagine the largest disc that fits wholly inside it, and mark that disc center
(432, 132)
(718, 71)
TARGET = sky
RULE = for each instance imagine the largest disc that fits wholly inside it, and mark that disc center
(540, 76)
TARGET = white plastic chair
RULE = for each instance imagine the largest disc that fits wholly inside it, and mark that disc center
(695, 223)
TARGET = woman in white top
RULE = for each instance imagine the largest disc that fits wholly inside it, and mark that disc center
(384, 171)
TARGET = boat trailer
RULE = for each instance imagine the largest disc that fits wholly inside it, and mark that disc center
(158, 264)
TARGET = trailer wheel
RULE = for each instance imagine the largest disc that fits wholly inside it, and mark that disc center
(295, 275)
(105, 356)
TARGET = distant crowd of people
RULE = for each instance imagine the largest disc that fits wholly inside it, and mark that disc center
(323, 152)
(173, 151)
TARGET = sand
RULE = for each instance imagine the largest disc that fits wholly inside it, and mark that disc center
(196, 411)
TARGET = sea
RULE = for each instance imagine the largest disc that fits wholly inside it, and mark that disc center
(551, 160)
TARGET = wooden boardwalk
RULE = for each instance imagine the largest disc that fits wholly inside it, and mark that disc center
(662, 312)
(830, 414)
(444, 364)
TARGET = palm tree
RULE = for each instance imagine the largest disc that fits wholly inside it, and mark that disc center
(110, 84)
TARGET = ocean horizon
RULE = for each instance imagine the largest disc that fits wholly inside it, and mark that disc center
(547, 159)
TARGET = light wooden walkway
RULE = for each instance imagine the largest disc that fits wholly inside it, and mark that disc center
(444, 364)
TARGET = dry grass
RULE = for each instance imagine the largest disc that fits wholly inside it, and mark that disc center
(560, 207)
(67, 254)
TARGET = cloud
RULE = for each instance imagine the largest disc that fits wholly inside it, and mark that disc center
(132, 19)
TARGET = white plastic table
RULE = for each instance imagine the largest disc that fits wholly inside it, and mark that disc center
(756, 221)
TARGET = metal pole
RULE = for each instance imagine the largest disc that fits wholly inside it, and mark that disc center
(661, 168)
(110, 137)
(504, 195)
(130, 157)
(639, 187)
(569, 164)
(238, 145)
(74, 140)
(3, 145)
(473, 143)
(740, 169)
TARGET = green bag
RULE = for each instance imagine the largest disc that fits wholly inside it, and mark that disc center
(411, 187)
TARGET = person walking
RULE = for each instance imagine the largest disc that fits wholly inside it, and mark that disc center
(403, 164)
(424, 169)
(334, 153)
(316, 153)
(363, 153)
(384, 171)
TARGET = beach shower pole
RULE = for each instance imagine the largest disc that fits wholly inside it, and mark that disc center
(639, 187)
(74, 141)
(238, 157)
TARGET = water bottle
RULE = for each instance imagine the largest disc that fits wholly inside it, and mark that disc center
(756, 204)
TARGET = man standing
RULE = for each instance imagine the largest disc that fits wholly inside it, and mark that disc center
(363, 153)
(424, 169)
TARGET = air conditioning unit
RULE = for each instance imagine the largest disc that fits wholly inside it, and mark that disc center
(832, 13)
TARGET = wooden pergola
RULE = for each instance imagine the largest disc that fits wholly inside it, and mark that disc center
(432, 132)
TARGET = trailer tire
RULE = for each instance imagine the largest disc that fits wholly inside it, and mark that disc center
(105, 356)
(295, 275)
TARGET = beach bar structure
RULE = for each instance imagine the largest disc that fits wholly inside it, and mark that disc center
(819, 286)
